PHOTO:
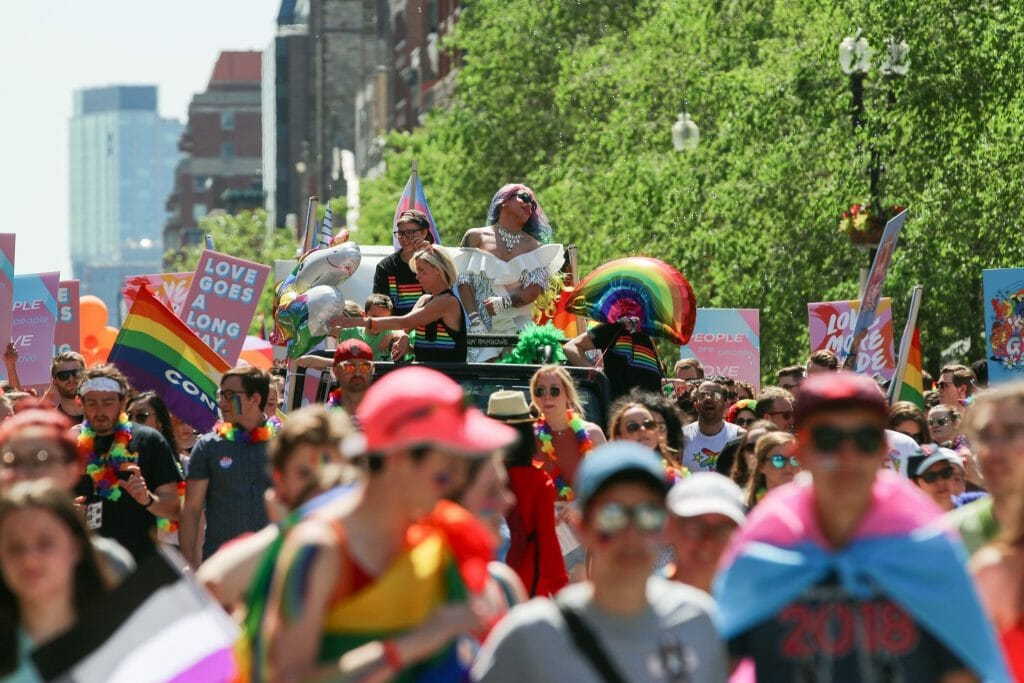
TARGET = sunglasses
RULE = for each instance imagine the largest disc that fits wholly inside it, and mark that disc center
(779, 461)
(140, 416)
(940, 421)
(942, 384)
(745, 421)
(65, 375)
(932, 477)
(697, 530)
(541, 392)
(634, 427)
(786, 414)
(612, 518)
(705, 395)
(348, 367)
(916, 437)
(526, 198)
(866, 439)
(407, 234)
(30, 461)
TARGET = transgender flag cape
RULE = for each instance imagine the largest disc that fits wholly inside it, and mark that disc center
(902, 547)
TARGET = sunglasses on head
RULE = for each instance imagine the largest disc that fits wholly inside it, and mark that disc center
(634, 427)
(65, 375)
(867, 439)
(932, 477)
(612, 518)
(941, 421)
(779, 461)
(541, 392)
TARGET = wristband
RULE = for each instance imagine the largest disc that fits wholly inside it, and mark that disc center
(152, 499)
(391, 655)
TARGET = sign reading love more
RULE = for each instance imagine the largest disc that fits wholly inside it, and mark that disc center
(832, 325)
(66, 336)
(1004, 323)
(6, 286)
(727, 341)
(222, 300)
(33, 323)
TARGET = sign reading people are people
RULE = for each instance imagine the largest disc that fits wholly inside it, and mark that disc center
(727, 342)
(33, 323)
(66, 335)
(1004, 323)
(832, 324)
(222, 300)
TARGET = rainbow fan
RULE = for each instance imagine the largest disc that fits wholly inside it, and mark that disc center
(644, 288)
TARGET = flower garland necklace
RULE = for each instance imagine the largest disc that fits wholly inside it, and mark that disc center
(103, 469)
(334, 399)
(583, 446)
(231, 432)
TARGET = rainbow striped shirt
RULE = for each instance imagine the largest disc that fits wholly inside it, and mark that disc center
(403, 296)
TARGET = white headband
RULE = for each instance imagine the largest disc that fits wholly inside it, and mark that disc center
(100, 384)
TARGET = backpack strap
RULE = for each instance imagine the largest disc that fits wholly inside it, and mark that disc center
(586, 642)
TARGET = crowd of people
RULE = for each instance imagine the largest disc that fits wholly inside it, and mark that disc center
(703, 529)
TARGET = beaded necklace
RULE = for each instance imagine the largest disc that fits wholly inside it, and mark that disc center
(547, 447)
(230, 432)
(334, 399)
(103, 469)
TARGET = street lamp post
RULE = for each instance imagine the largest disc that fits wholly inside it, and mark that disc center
(685, 133)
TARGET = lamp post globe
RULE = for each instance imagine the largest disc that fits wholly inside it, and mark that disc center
(685, 133)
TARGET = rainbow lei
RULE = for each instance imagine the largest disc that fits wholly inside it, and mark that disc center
(334, 399)
(171, 525)
(230, 432)
(673, 472)
(103, 469)
(583, 445)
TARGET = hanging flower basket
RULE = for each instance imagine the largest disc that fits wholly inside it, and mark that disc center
(864, 227)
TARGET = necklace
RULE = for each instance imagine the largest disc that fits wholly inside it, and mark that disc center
(231, 432)
(511, 240)
(547, 447)
(103, 469)
(334, 399)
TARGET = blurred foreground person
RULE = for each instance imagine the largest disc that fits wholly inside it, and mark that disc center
(49, 573)
(623, 622)
(381, 583)
(850, 575)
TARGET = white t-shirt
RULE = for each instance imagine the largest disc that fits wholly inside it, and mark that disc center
(900, 447)
(700, 451)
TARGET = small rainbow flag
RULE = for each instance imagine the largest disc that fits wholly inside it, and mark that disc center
(158, 352)
(908, 384)
(413, 198)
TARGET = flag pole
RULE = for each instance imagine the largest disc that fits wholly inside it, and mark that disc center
(905, 341)
(307, 233)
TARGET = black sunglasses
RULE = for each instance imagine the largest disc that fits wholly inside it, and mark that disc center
(65, 375)
(866, 439)
(932, 477)
(940, 421)
(541, 392)
(634, 427)
(140, 416)
(525, 196)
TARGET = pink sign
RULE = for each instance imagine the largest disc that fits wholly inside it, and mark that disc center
(169, 288)
(222, 300)
(33, 323)
(727, 341)
(832, 324)
(6, 287)
(66, 336)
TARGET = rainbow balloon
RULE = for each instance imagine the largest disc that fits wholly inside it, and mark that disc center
(644, 288)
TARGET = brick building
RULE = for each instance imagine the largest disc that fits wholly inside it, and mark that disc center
(222, 143)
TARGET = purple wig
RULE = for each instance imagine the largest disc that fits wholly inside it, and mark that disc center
(536, 227)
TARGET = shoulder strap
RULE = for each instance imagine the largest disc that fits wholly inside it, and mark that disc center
(586, 642)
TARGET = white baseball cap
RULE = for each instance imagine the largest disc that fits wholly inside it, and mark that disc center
(706, 493)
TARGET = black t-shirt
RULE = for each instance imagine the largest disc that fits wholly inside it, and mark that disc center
(630, 360)
(75, 419)
(395, 278)
(124, 520)
(828, 635)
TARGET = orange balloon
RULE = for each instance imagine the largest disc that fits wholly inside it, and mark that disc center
(92, 314)
(107, 336)
(90, 342)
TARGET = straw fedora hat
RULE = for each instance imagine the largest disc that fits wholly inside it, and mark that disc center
(510, 407)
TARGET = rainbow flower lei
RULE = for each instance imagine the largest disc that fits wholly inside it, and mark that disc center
(583, 445)
(334, 399)
(230, 432)
(674, 472)
(171, 525)
(103, 469)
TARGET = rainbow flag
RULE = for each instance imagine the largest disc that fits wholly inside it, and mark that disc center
(413, 198)
(158, 352)
(912, 388)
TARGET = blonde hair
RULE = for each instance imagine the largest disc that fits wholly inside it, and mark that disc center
(438, 258)
(765, 445)
(572, 396)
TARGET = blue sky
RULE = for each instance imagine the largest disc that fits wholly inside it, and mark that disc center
(49, 49)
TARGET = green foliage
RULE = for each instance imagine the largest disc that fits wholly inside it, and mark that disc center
(244, 235)
(577, 100)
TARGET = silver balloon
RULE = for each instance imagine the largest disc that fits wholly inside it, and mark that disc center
(324, 305)
(327, 266)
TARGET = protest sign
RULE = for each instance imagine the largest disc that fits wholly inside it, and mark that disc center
(67, 335)
(727, 341)
(33, 323)
(832, 324)
(168, 288)
(222, 300)
(6, 287)
(872, 293)
(1004, 323)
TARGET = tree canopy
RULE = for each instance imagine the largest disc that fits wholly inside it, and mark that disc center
(577, 101)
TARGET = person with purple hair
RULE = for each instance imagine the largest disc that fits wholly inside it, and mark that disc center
(506, 265)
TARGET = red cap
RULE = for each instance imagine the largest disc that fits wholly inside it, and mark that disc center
(838, 390)
(353, 349)
(418, 406)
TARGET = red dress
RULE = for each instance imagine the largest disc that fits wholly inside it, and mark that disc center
(533, 551)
